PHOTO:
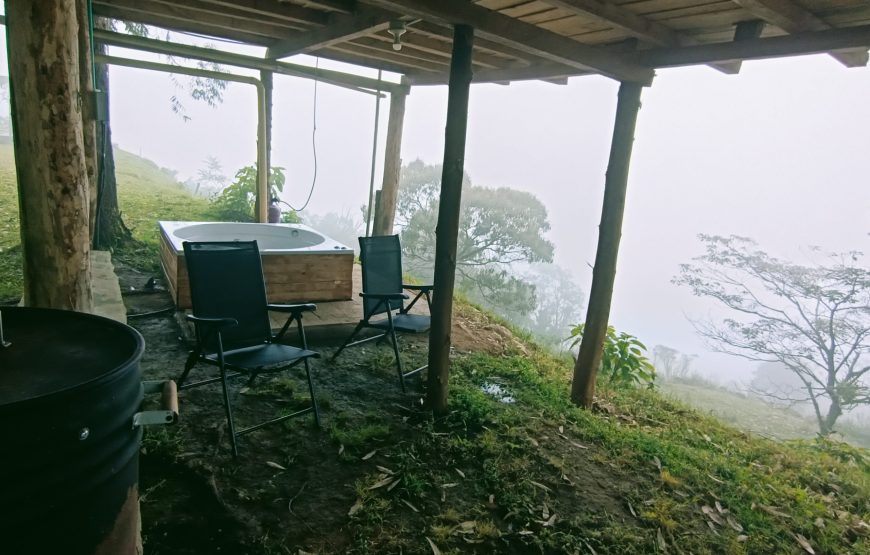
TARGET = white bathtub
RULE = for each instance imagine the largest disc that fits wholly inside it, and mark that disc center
(271, 238)
(300, 264)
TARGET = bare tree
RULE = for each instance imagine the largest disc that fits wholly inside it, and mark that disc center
(815, 320)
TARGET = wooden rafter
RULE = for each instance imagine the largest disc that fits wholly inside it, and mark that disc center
(341, 28)
(197, 12)
(524, 36)
(413, 41)
(547, 72)
(792, 18)
(635, 25)
(272, 9)
(752, 49)
(180, 24)
(443, 33)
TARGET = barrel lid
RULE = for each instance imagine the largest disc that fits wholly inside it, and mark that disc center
(57, 350)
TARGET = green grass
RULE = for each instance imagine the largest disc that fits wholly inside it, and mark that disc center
(146, 194)
(647, 474)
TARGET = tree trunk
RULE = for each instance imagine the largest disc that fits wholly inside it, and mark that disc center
(609, 235)
(109, 227)
(447, 231)
(89, 127)
(53, 186)
(385, 213)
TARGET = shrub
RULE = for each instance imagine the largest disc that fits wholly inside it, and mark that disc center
(624, 360)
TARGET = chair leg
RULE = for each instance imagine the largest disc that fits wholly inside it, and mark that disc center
(395, 343)
(311, 392)
(192, 357)
(252, 378)
(229, 412)
(349, 339)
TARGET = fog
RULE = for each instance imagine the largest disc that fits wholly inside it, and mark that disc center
(778, 153)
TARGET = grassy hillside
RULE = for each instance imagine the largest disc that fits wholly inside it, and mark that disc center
(146, 194)
(754, 415)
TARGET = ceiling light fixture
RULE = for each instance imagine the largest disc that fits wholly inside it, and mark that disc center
(397, 29)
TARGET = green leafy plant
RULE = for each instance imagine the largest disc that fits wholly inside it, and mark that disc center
(236, 202)
(624, 359)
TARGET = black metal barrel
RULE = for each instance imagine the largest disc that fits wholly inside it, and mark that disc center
(69, 453)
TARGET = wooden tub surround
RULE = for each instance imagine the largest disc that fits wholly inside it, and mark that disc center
(322, 272)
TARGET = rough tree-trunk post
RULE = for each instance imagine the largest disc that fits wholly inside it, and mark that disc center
(447, 230)
(109, 227)
(266, 77)
(89, 128)
(609, 234)
(53, 194)
(385, 212)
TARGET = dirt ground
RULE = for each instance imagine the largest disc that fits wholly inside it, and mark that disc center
(293, 481)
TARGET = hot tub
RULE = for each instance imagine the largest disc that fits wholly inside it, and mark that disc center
(300, 264)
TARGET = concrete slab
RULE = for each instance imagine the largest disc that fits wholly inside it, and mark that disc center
(108, 301)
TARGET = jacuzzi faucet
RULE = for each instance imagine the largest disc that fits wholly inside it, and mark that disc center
(3, 342)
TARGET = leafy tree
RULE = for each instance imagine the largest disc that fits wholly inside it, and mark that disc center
(672, 363)
(498, 230)
(815, 320)
(236, 202)
(209, 180)
(559, 304)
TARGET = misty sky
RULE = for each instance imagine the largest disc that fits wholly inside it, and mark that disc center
(778, 153)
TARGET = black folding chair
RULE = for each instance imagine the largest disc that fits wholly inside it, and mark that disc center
(383, 292)
(231, 319)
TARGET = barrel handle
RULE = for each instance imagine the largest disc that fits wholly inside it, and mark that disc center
(168, 413)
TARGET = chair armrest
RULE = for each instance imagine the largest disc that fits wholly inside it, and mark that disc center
(386, 296)
(216, 322)
(292, 308)
(415, 287)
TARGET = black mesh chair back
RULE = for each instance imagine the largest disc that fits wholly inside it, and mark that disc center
(381, 272)
(226, 279)
(383, 293)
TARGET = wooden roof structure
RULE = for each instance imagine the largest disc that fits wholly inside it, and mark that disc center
(521, 39)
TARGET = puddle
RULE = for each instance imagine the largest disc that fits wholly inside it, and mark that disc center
(498, 391)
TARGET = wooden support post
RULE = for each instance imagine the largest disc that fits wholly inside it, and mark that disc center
(385, 214)
(88, 106)
(264, 152)
(447, 231)
(609, 234)
(53, 195)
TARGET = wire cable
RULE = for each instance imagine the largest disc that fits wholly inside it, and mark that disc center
(313, 143)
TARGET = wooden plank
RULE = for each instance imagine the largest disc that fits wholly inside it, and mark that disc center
(180, 25)
(275, 10)
(341, 28)
(219, 22)
(540, 72)
(793, 18)
(443, 33)
(439, 48)
(771, 47)
(506, 30)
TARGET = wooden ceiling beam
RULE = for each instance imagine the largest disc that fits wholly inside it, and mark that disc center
(792, 18)
(441, 32)
(274, 10)
(210, 10)
(635, 25)
(414, 41)
(184, 25)
(546, 72)
(744, 30)
(621, 18)
(341, 28)
(530, 38)
(386, 54)
(340, 6)
(799, 44)
(184, 13)
(341, 53)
